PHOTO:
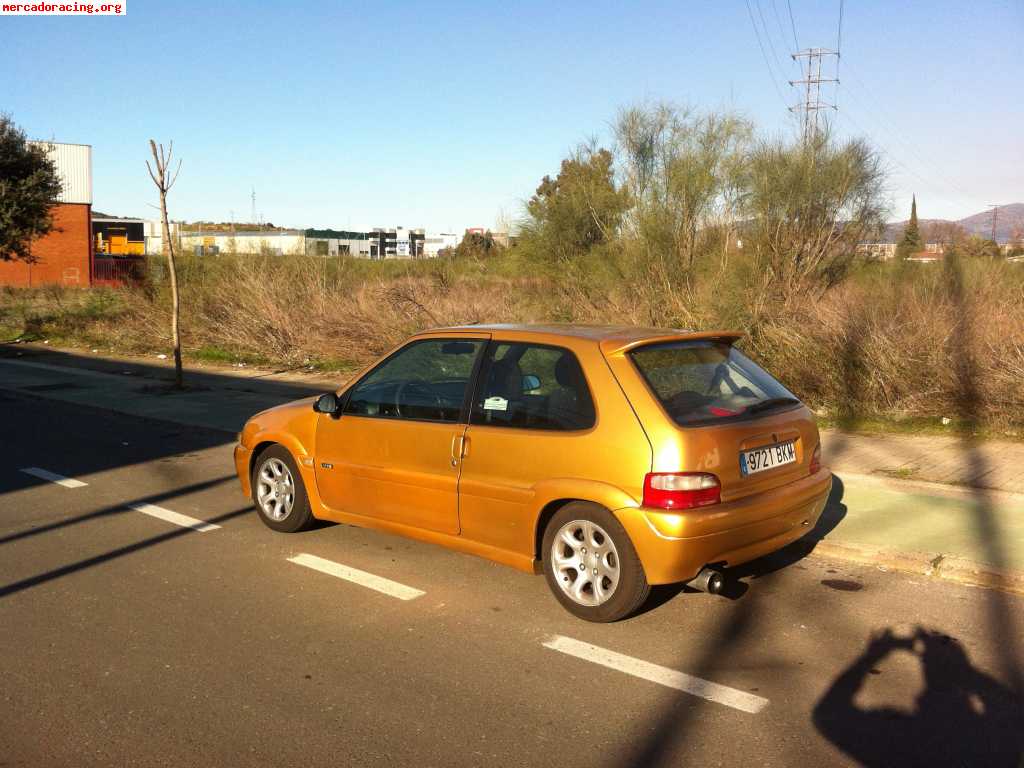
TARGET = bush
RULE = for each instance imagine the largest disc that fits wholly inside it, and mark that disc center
(691, 223)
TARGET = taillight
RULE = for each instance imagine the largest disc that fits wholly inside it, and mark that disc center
(681, 490)
(816, 460)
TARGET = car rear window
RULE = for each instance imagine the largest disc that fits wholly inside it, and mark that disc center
(698, 382)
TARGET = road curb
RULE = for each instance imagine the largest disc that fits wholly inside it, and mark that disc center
(931, 565)
(10, 350)
(947, 490)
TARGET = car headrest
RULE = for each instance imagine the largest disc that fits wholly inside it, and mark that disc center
(506, 380)
(568, 372)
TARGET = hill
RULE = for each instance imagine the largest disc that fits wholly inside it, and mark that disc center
(1009, 222)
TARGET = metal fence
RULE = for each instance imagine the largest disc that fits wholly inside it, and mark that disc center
(119, 270)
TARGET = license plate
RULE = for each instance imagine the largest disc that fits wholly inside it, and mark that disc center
(767, 457)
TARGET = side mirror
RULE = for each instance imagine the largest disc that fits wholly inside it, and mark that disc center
(530, 382)
(327, 404)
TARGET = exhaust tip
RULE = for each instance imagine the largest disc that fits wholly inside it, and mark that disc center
(709, 580)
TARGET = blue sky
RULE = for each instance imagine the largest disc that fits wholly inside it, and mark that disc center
(446, 114)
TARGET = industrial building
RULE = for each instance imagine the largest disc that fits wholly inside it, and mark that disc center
(278, 242)
(335, 242)
(433, 244)
(377, 244)
(397, 243)
(64, 256)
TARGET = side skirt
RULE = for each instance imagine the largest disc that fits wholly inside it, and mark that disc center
(518, 561)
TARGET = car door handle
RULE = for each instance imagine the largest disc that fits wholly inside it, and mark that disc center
(460, 448)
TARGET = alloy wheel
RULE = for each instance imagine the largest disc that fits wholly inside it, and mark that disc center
(585, 562)
(275, 489)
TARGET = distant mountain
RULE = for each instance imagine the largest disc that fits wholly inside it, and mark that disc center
(1009, 221)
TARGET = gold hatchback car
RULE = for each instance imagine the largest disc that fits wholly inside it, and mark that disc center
(611, 458)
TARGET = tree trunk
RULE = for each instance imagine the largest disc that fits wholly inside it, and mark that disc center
(163, 183)
(179, 382)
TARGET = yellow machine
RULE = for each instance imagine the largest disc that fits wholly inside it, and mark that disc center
(115, 239)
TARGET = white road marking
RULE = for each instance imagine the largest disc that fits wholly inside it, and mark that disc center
(174, 517)
(42, 474)
(388, 587)
(720, 694)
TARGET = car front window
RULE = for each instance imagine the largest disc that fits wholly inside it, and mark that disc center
(425, 380)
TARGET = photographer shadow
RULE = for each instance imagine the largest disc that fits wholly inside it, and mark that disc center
(961, 717)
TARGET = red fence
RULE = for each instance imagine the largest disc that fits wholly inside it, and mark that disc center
(118, 270)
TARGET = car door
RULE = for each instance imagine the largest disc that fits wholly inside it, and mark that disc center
(395, 450)
(532, 419)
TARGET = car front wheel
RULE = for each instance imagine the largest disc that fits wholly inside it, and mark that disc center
(590, 564)
(278, 491)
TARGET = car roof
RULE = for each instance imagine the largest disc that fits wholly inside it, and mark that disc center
(612, 338)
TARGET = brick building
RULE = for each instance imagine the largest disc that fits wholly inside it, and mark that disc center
(64, 256)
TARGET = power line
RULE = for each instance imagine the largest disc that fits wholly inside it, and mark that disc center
(768, 36)
(782, 32)
(941, 191)
(778, 21)
(839, 35)
(893, 158)
(792, 24)
(839, 40)
(764, 55)
(893, 130)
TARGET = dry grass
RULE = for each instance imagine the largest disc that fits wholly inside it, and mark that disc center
(888, 343)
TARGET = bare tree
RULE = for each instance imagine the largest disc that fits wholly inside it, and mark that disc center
(164, 182)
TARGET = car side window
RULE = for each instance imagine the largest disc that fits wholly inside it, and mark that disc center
(425, 380)
(532, 386)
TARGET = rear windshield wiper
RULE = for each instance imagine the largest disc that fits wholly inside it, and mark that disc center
(772, 402)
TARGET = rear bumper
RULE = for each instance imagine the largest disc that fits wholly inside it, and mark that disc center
(242, 457)
(673, 547)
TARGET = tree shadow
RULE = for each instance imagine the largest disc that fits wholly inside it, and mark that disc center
(77, 437)
(968, 398)
(673, 721)
(114, 509)
(89, 562)
(962, 717)
(735, 586)
(82, 440)
(833, 514)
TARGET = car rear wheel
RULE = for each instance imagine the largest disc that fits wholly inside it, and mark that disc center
(590, 564)
(278, 491)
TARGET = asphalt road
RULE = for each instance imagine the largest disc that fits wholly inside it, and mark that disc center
(128, 639)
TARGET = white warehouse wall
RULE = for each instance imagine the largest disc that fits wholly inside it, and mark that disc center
(74, 167)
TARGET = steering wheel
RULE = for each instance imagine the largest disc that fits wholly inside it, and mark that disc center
(423, 385)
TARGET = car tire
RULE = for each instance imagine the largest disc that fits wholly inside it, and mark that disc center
(590, 536)
(278, 491)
